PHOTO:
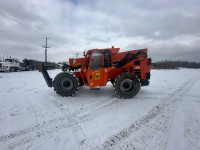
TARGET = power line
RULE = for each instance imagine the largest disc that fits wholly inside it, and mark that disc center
(14, 21)
(8, 37)
(13, 46)
(15, 36)
(21, 26)
(12, 37)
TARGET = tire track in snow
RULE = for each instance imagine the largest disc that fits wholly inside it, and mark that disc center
(192, 127)
(47, 128)
(60, 122)
(84, 114)
(184, 120)
(163, 111)
(88, 111)
(23, 137)
(77, 130)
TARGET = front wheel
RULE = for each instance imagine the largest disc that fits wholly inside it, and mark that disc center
(66, 84)
(126, 85)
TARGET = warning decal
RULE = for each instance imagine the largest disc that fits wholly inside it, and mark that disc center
(97, 76)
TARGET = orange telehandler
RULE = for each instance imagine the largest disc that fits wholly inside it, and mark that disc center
(127, 71)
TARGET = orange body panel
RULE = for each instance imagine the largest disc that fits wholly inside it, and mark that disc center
(120, 56)
(139, 66)
(76, 62)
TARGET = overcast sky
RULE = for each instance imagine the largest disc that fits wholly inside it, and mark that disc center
(170, 29)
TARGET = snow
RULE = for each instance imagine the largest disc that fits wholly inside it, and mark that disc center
(164, 115)
(178, 128)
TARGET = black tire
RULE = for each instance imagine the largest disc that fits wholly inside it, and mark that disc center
(81, 82)
(66, 84)
(12, 69)
(29, 68)
(126, 85)
(112, 81)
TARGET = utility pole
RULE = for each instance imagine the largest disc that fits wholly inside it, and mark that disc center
(46, 49)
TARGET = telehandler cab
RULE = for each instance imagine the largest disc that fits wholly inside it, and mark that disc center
(127, 71)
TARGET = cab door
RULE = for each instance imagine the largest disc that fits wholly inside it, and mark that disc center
(95, 73)
(107, 64)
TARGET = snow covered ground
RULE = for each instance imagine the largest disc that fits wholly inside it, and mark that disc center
(164, 115)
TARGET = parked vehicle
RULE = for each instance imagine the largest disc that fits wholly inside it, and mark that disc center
(10, 64)
(29, 64)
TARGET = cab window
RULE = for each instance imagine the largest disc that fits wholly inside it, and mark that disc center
(107, 58)
(96, 60)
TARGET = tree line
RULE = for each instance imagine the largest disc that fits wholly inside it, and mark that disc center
(168, 64)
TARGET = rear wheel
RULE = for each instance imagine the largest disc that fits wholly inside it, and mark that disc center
(126, 85)
(12, 69)
(66, 84)
(16, 69)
